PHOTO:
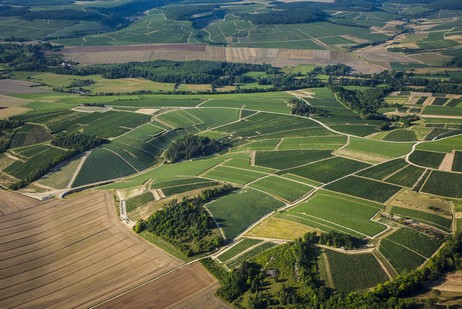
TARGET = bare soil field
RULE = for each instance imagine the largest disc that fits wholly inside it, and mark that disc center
(184, 287)
(11, 106)
(413, 200)
(183, 52)
(11, 86)
(72, 254)
(378, 55)
(12, 202)
(453, 283)
(446, 164)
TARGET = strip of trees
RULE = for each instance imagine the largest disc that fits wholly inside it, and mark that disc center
(186, 224)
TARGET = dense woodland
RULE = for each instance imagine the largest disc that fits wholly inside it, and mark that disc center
(192, 146)
(187, 224)
(78, 142)
(365, 103)
(7, 127)
(290, 13)
(303, 109)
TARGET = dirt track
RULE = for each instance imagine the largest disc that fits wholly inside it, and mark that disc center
(74, 253)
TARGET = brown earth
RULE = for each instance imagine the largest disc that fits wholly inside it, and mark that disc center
(182, 52)
(453, 283)
(446, 164)
(177, 287)
(71, 254)
(12, 202)
(11, 106)
(11, 86)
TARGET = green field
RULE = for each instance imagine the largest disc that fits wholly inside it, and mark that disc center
(331, 211)
(406, 177)
(444, 145)
(445, 184)
(268, 102)
(250, 254)
(352, 272)
(257, 126)
(328, 170)
(402, 259)
(424, 217)
(37, 161)
(401, 136)
(102, 165)
(365, 188)
(457, 163)
(265, 144)
(289, 158)
(427, 158)
(30, 135)
(381, 171)
(371, 148)
(139, 200)
(238, 248)
(194, 184)
(235, 212)
(286, 189)
(233, 175)
(412, 239)
(312, 142)
(180, 169)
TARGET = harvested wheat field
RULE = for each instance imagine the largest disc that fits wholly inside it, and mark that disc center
(12, 202)
(185, 52)
(74, 253)
(188, 287)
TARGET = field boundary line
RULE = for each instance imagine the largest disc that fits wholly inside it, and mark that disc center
(309, 218)
(305, 164)
(279, 144)
(203, 102)
(418, 180)
(226, 248)
(330, 278)
(216, 223)
(401, 245)
(382, 261)
(186, 111)
(392, 174)
(333, 223)
(137, 171)
(426, 179)
(242, 252)
(240, 111)
(77, 170)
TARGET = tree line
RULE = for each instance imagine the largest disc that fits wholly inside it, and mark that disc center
(289, 13)
(7, 130)
(78, 142)
(299, 107)
(186, 224)
(365, 103)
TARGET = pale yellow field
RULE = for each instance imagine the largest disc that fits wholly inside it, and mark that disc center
(279, 229)
(129, 85)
